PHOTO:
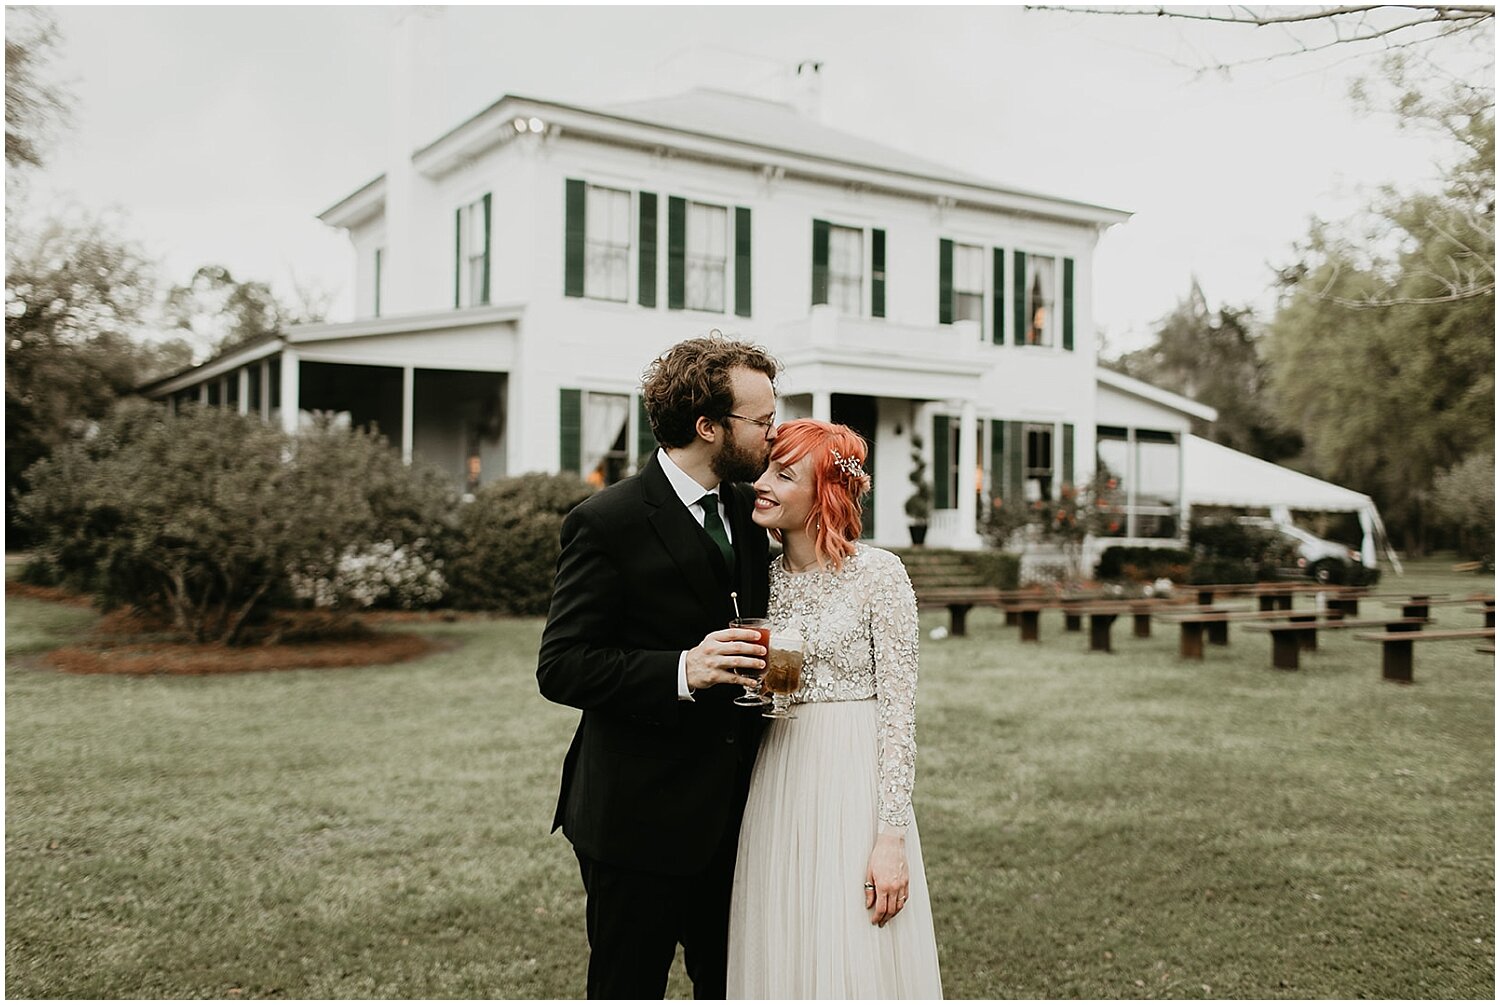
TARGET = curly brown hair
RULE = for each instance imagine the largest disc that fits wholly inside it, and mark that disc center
(692, 379)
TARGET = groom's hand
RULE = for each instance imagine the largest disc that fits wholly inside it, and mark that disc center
(716, 659)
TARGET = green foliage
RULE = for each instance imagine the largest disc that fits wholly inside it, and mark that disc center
(204, 515)
(1143, 564)
(1005, 517)
(1001, 569)
(221, 313)
(505, 554)
(1214, 357)
(34, 105)
(74, 293)
(1243, 553)
(1464, 497)
(919, 503)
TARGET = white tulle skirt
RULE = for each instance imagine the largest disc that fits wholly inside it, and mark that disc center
(798, 926)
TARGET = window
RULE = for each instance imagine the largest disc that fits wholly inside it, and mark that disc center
(968, 283)
(1038, 470)
(846, 257)
(1143, 468)
(606, 445)
(472, 287)
(1113, 447)
(707, 256)
(1040, 323)
(607, 244)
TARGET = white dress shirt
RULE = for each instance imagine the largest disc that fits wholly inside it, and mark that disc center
(690, 492)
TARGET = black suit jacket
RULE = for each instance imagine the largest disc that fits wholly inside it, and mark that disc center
(650, 782)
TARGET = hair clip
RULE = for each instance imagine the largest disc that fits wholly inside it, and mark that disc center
(848, 465)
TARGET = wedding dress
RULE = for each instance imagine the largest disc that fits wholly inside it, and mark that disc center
(825, 783)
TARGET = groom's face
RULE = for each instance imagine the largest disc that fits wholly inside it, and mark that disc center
(745, 447)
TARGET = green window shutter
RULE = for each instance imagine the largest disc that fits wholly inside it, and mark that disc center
(997, 459)
(458, 258)
(820, 262)
(1015, 442)
(484, 291)
(1067, 447)
(645, 440)
(573, 238)
(1019, 286)
(998, 335)
(940, 468)
(676, 253)
(570, 430)
(877, 273)
(945, 282)
(742, 261)
(646, 285)
(1068, 304)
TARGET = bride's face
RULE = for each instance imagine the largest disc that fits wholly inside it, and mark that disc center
(784, 495)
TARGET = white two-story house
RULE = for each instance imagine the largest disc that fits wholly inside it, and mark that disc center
(515, 275)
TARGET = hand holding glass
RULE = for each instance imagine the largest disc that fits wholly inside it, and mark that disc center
(752, 695)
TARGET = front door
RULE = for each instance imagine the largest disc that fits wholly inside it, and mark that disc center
(860, 413)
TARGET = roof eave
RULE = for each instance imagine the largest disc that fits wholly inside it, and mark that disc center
(358, 207)
(1152, 393)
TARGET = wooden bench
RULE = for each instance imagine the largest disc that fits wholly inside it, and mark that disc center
(1418, 605)
(1215, 621)
(1488, 610)
(1290, 638)
(1396, 651)
(1102, 617)
(959, 600)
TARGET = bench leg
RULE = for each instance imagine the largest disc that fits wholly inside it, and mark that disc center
(1191, 646)
(1267, 602)
(1285, 649)
(1284, 602)
(1348, 606)
(1205, 597)
(958, 616)
(1395, 660)
(1143, 626)
(1031, 626)
(1099, 625)
(1074, 622)
(1414, 610)
(1218, 633)
(1012, 618)
(1489, 618)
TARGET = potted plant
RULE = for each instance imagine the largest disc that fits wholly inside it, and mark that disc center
(919, 503)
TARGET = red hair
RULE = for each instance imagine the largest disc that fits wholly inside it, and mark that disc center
(834, 523)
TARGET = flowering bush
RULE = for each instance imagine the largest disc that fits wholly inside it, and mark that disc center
(404, 575)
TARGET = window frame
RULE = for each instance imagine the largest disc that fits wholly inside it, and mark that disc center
(472, 265)
(620, 255)
(859, 291)
(981, 293)
(700, 263)
(1050, 337)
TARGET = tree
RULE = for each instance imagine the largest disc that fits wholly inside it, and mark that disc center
(1214, 357)
(1388, 372)
(74, 293)
(34, 106)
(218, 312)
(1464, 498)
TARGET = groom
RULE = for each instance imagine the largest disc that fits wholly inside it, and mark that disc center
(654, 783)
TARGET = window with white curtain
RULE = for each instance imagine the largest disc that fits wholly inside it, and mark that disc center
(606, 431)
(606, 222)
(707, 256)
(968, 283)
(474, 254)
(846, 269)
(1041, 296)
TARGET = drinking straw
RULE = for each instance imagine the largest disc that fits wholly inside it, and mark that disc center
(734, 598)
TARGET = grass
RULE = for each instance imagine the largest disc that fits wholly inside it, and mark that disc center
(1099, 826)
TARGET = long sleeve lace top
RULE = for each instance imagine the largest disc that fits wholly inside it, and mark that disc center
(860, 628)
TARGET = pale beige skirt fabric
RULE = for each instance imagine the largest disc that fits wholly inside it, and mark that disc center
(798, 926)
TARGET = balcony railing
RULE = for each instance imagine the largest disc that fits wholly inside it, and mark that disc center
(826, 328)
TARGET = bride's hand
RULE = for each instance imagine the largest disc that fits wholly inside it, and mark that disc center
(886, 879)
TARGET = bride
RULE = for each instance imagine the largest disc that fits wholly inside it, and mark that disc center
(830, 900)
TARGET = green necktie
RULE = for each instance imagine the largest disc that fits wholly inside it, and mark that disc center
(715, 527)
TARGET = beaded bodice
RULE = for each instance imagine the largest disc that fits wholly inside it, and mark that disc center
(859, 624)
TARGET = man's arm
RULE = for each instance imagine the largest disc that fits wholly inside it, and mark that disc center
(574, 666)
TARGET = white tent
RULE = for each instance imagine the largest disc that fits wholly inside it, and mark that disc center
(1215, 475)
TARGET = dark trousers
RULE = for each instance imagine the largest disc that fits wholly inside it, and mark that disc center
(636, 919)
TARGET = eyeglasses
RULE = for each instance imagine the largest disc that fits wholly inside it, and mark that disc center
(767, 424)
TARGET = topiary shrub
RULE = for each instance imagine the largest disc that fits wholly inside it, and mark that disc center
(504, 554)
(206, 515)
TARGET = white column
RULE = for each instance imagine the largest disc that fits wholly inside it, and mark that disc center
(968, 458)
(243, 394)
(203, 393)
(290, 390)
(823, 405)
(263, 406)
(408, 384)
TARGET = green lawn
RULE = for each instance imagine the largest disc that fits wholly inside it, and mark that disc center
(1111, 826)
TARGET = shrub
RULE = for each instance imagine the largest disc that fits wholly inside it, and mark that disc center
(1463, 497)
(1000, 569)
(406, 576)
(1143, 564)
(205, 515)
(1261, 550)
(505, 552)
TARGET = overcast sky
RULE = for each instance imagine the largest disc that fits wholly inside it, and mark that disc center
(220, 132)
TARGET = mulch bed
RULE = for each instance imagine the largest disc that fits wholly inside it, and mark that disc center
(126, 641)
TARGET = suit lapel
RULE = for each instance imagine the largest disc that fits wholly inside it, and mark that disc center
(681, 536)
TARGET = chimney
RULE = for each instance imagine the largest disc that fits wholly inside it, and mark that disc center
(807, 89)
(415, 66)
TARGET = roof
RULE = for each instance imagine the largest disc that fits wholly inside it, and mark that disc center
(1156, 395)
(727, 122)
(1216, 475)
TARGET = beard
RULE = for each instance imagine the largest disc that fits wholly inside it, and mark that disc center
(739, 464)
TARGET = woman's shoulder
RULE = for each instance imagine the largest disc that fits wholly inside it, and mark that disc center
(878, 560)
